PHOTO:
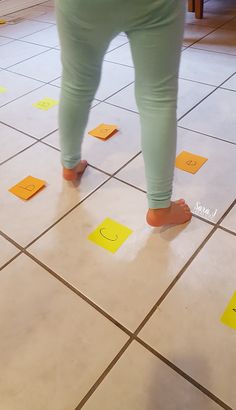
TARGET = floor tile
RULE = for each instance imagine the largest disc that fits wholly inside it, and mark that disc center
(206, 67)
(121, 55)
(230, 221)
(23, 28)
(113, 153)
(221, 41)
(12, 142)
(199, 189)
(44, 67)
(16, 86)
(54, 345)
(207, 117)
(141, 381)
(47, 37)
(117, 282)
(24, 220)
(30, 119)
(231, 83)
(227, 7)
(190, 93)
(210, 19)
(4, 40)
(117, 42)
(193, 33)
(17, 51)
(42, 13)
(231, 25)
(114, 78)
(7, 251)
(195, 306)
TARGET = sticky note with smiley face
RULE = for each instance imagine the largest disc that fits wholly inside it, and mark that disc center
(104, 131)
(110, 235)
(45, 104)
(189, 162)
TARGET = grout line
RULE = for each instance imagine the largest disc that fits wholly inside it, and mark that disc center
(104, 374)
(9, 239)
(183, 374)
(16, 129)
(26, 59)
(227, 79)
(206, 35)
(67, 213)
(116, 92)
(227, 230)
(122, 65)
(78, 293)
(23, 95)
(206, 135)
(228, 89)
(226, 212)
(213, 51)
(30, 34)
(25, 8)
(18, 153)
(9, 262)
(196, 82)
(174, 281)
(170, 364)
(208, 95)
(121, 45)
(27, 76)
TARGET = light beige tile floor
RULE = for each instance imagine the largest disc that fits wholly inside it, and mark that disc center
(68, 307)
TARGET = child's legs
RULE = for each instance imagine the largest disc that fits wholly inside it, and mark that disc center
(156, 51)
(83, 46)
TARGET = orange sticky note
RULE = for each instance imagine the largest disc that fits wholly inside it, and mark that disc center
(189, 162)
(28, 187)
(45, 104)
(103, 131)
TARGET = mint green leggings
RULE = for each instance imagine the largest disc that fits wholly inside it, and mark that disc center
(155, 31)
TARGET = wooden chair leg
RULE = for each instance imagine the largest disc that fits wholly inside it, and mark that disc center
(191, 5)
(199, 8)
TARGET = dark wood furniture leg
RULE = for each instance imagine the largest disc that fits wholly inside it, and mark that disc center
(191, 5)
(199, 8)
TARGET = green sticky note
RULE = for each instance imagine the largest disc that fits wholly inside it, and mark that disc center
(229, 315)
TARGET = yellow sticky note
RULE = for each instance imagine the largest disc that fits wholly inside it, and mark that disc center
(110, 235)
(2, 90)
(45, 104)
(103, 131)
(28, 187)
(229, 315)
(2, 21)
(189, 162)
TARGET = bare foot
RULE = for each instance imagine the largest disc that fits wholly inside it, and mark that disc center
(178, 213)
(76, 172)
